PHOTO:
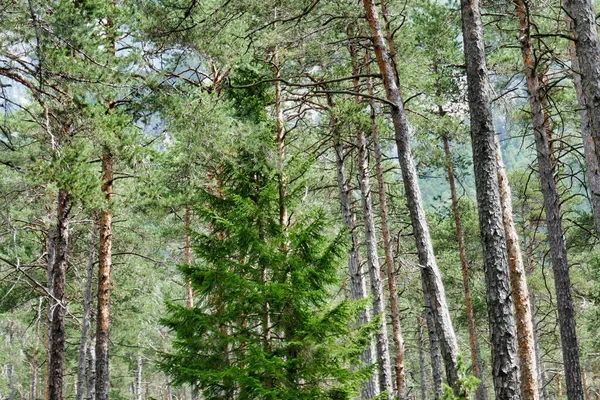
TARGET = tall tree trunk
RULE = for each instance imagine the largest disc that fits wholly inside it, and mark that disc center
(520, 290)
(57, 311)
(423, 368)
(187, 255)
(429, 272)
(86, 319)
(541, 372)
(358, 286)
(401, 386)
(104, 275)
(464, 263)
(34, 380)
(589, 148)
(138, 379)
(500, 306)
(91, 373)
(280, 140)
(385, 372)
(434, 351)
(587, 49)
(11, 366)
(558, 248)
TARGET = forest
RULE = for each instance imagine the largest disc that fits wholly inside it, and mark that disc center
(299, 199)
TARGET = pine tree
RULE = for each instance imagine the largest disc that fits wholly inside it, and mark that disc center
(270, 287)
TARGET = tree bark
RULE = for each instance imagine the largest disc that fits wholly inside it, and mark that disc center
(138, 379)
(91, 372)
(464, 263)
(423, 369)
(358, 287)
(104, 284)
(434, 351)
(520, 290)
(385, 372)
(558, 248)
(589, 148)
(187, 255)
(57, 311)
(86, 319)
(401, 386)
(500, 306)
(429, 270)
(587, 49)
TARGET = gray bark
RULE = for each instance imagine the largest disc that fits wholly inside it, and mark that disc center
(543, 390)
(589, 149)
(429, 269)
(422, 365)
(587, 49)
(500, 306)
(86, 320)
(358, 287)
(91, 372)
(57, 310)
(138, 379)
(434, 351)
(381, 337)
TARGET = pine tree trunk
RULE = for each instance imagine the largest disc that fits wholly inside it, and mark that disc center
(541, 372)
(104, 285)
(422, 365)
(587, 49)
(34, 380)
(520, 290)
(385, 372)
(138, 379)
(86, 320)
(500, 306)
(462, 251)
(593, 166)
(429, 272)
(91, 373)
(401, 386)
(358, 287)
(57, 311)
(434, 351)
(558, 248)
(187, 255)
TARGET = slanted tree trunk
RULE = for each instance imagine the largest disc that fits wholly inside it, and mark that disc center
(429, 271)
(422, 364)
(589, 148)
(385, 372)
(358, 286)
(558, 248)
(434, 351)
(587, 50)
(86, 319)
(401, 386)
(464, 263)
(58, 305)
(500, 306)
(104, 285)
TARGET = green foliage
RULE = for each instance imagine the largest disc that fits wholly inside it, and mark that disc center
(466, 386)
(263, 325)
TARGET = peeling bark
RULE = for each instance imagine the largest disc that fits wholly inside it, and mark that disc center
(481, 393)
(500, 306)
